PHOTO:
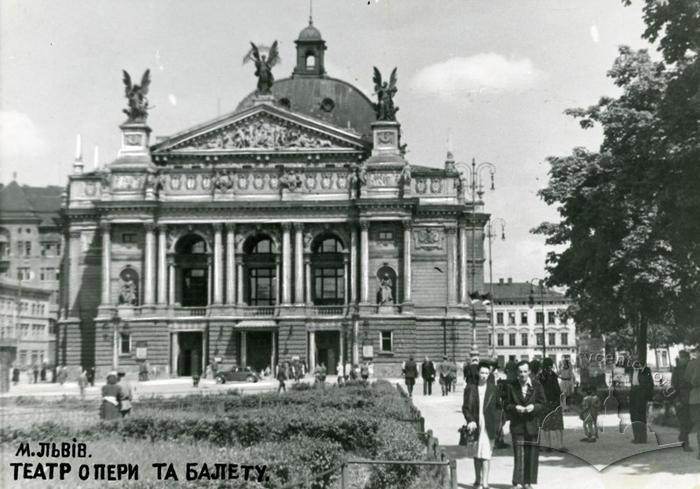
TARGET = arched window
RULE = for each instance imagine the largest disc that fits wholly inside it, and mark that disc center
(261, 271)
(328, 272)
(310, 61)
(192, 270)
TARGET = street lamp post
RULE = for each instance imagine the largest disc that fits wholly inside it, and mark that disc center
(473, 177)
(115, 339)
(531, 303)
(490, 234)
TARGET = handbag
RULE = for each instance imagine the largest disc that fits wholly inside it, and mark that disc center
(467, 437)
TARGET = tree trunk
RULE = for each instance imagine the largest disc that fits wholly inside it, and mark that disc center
(642, 339)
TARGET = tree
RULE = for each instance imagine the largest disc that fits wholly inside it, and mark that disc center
(630, 212)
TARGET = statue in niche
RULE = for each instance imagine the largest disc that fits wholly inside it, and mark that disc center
(385, 91)
(128, 291)
(385, 293)
(263, 65)
(405, 177)
(136, 96)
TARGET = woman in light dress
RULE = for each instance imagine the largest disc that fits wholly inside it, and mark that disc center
(480, 409)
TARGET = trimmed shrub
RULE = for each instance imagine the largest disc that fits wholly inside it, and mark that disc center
(397, 441)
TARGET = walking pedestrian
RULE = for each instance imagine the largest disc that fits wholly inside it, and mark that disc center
(471, 371)
(111, 399)
(410, 372)
(127, 394)
(481, 413)
(91, 376)
(590, 408)
(282, 376)
(524, 403)
(552, 417)
(82, 382)
(682, 387)
(15, 375)
(427, 372)
(35, 372)
(444, 370)
(567, 379)
(364, 371)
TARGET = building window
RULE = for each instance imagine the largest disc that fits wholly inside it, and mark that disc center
(23, 357)
(22, 273)
(511, 319)
(329, 286)
(539, 318)
(4, 249)
(499, 338)
(27, 248)
(511, 339)
(540, 339)
(386, 235)
(551, 317)
(262, 286)
(552, 338)
(131, 238)
(124, 343)
(24, 330)
(387, 341)
(523, 317)
(490, 339)
(565, 339)
(523, 339)
(499, 318)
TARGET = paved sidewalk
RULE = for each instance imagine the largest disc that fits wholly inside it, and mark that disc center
(668, 468)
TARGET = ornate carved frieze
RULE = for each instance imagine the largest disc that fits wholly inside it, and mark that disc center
(128, 182)
(383, 179)
(425, 185)
(262, 132)
(429, 239)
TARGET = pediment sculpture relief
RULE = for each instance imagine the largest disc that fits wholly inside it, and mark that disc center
(260, 134)
(429, 239)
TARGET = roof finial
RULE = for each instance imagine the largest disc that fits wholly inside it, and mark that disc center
(450, 155)
(311, 12)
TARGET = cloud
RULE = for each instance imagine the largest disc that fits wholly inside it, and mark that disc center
(19, 137)
(479, 73)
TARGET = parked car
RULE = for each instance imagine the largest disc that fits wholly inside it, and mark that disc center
(237, 375)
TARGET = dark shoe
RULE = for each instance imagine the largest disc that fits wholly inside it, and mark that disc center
(548, 449)
(585, 439)
(565, 450)
(687, 448)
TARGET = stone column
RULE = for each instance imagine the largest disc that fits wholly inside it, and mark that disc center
(364, 260)
(312, 351)
(307, 265)
(355, 342)
(451, 265)
(346, 298)
(407, 261)
(244, 348)
(463, 271)
(286, 263)
(239, 287)
(218, 265)
(171, 280)
(74, 272)
(273, 355)
(149, 270)
(230, 264)
(162, 264)
(278, 279)
(298, 263)
(353, 265)
(106, 262)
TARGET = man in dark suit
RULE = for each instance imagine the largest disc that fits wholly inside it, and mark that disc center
(681, 386)
(641, 392)
(524, 401)
(427, 371)
(410, 372)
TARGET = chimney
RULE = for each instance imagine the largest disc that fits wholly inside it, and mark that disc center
(510, 280)
(500, 281)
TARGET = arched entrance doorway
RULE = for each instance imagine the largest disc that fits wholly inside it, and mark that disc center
(192, 262)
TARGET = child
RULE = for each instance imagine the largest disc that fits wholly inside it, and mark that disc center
(590, 407)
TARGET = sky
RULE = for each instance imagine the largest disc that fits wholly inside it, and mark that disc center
(495, 75)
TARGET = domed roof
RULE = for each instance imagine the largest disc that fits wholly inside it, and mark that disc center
(328, 99)
(310, 33)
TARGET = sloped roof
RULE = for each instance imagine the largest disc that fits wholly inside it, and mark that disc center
(520, 292)
(30, 203)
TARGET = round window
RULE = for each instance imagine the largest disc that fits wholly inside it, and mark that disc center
(327, 105)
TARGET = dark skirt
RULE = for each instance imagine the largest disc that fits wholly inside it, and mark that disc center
(552, 417)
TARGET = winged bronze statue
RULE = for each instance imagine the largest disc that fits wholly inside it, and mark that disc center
(385, 91)
(136, 96)
(265, 58)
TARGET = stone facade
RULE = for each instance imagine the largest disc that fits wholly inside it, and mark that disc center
(265, 234)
